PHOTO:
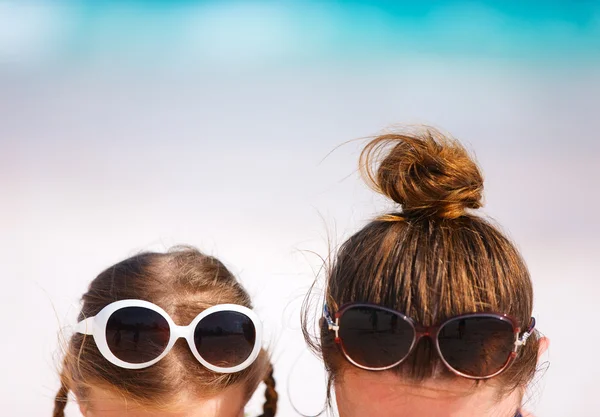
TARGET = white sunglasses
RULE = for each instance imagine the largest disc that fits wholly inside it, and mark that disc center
(135, 334)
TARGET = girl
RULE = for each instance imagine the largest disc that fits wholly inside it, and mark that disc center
(428, 308)
(126, 357)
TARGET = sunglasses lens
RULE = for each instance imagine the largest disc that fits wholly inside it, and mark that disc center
(477, 346)
(375, 338)
(225, 338)
(137, 334)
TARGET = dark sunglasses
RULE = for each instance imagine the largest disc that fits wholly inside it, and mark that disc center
(135, 334)
(475, 346)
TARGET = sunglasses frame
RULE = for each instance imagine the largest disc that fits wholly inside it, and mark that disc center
(428, 331)
(96, 327)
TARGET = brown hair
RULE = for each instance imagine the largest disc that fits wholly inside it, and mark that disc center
(432, 259)
(183, 282)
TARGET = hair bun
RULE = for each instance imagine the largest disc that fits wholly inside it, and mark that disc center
(426, 173)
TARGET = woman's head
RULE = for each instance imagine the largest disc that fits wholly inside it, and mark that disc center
(183, 282)
(432, 259)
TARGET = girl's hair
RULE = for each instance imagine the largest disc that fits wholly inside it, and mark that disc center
(183, 282)
(432, 259)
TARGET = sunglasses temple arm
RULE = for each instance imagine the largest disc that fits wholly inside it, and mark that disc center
(85, 326)
(523, 339)
(327, 316)
(331, 325)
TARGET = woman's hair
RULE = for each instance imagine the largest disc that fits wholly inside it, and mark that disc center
(183, 282)
(431, 259)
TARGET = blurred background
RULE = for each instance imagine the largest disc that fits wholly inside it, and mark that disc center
(137, 125)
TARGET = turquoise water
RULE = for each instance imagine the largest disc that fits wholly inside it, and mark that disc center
(191, 32)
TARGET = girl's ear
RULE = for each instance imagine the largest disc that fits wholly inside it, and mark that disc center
(83, 409)
(544, 344)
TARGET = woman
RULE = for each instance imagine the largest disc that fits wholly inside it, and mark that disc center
(428, 309)
(126, 357)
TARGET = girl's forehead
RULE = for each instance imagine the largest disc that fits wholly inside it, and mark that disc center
(104, 403)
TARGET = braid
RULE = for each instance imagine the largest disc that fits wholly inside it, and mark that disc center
(62, 396)
(270, 405)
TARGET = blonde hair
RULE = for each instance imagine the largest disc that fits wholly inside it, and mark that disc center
(183, 282)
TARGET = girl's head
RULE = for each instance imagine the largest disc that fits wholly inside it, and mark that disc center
(184, 283)
(431, 260)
